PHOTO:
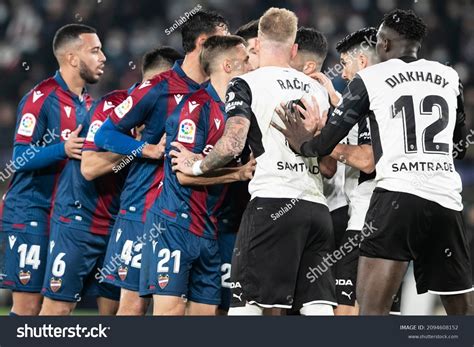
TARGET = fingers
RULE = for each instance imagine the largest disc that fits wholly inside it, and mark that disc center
(76, 131)
(279, 128)
(315, 104)
(163, 139)
(178, 145)
(173, 154)
(281, 112)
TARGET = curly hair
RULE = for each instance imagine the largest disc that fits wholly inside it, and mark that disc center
(406, 23)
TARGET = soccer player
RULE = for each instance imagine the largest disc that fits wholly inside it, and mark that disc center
(312, 51)
(124, 249)
(47, 133)
(83, 217)
(417, 120)
(150, 104)
(188, 208)
(249, 33)
(278, 239)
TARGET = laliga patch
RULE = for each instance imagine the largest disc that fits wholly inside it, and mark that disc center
(24, 277)
(122, 272)
(55, 284)
(122, 109)
(163, 281)
(94, 127)
(187, 131)
(27, 124)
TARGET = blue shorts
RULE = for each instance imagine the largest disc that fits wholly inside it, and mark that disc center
(226, 242)
(125, 252)
(180, 263)
(75, 265)
(23, 253)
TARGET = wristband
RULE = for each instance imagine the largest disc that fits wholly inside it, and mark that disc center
(197, 168)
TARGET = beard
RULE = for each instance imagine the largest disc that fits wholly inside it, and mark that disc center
(87, 74)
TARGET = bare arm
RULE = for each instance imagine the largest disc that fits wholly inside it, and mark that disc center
(95, 164)
(327, 166)
(358, 156)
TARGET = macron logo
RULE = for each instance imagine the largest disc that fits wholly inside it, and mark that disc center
(145, 84)
(218, 123)
(51, 246)
(119, 233)
(192, 106)
(107, 106)
(12, 240)
(36, 95)
(68, 109)
(178, 98)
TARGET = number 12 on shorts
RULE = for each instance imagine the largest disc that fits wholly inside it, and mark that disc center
(165, 255)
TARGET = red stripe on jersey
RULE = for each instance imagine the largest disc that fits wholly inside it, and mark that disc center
(169, 213)
(154, 192)
(67, 114)
(33, 105)
(18, 226)
(101, 218)
(198, 202)
(64, 219)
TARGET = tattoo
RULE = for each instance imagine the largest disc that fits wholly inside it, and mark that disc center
(190, 162)
(230, 145)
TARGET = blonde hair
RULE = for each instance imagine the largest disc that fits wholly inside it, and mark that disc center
(278, 25)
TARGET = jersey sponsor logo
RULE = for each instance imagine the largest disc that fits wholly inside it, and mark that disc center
(217, 122)
(65, 134)
(36, 95)
(207, 149)
(343, 282)
(24, 276)
(347, 294)
(122, 109)
(297, 167)
(163, 281)
(235, 285)
(178, 98)
(187, 131)
(232, 105)
(192, 106)
(229, 97)
(94, 127)
(67, 109)
(107, 106)
(12, 240)
(27, 125)
(145, 84)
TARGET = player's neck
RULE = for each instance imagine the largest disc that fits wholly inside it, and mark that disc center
(274, 60)
(220, 83)
(74, 82)
(192, 68)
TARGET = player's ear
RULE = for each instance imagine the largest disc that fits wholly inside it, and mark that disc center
(294, 50)
(309, 67)
(72, 59)
(200, 41)
(362, 61)
(227, 65)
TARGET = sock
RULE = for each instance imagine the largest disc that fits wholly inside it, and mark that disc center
(12, 314)
(247, 310)
(317, 310)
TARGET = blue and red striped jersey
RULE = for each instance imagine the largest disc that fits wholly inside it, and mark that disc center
(198, 125)
(91, 205)
(150, 103)
(45, 117)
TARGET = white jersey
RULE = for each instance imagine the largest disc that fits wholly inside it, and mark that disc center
(413, 111)
(280, 173)
(334, 189)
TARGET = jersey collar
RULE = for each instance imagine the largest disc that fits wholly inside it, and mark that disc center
(177, 68)
(59, 79)
(213, 93)
(408, 59)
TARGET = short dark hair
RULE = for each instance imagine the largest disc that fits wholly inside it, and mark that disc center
(215, 45)
(248, 31)
(160, 57)
(367, 35)
(406, 23)
(313, 41)
(203, 22)
(69, 33)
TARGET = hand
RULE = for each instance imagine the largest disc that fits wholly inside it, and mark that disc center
(313, 120)
(294, 131)
(246, 171)
(183, 159)
(155, 151)
(327, 84)
(139, 131)
(73, 145)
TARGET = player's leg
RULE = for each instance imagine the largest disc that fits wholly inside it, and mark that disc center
(107, 307)
(71, 259)
(226, 247)
(315, 293)
(132, 304)
(24, 253)
(444, 265)
(378, 281)
(205, 279)
(346, 274)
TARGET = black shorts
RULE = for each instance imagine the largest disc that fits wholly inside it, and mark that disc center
(279, 255)
(346, 271)
(340, 218)
(405, 227)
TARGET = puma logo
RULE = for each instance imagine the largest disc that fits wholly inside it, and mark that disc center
(238, 296)
(348, 295)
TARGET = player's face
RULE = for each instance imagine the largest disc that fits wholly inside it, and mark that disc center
(297, 62)
(240, 62)
(253, 54)
(349, 64)
(91, 58)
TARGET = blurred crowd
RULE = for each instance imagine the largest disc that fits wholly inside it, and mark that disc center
(129, 28)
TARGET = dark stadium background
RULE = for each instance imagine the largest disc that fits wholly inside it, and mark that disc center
(129, 28)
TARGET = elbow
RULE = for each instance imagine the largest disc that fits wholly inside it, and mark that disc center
(183, 179)
(88, 172)
(327, 172)
(368, 167)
